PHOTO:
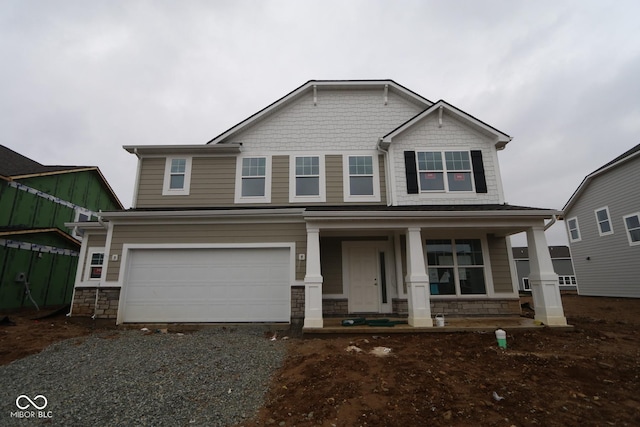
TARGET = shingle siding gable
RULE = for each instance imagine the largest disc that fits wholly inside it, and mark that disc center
(340, 120)
(452, 135)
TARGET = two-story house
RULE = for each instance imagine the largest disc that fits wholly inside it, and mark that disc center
(38, 253)
(340, 198)
(603, 226)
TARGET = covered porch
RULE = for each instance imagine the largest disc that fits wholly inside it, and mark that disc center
(415, 264)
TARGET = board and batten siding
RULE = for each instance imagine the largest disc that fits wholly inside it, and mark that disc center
(207, 233)
(613, 268)
(500, 267)
(212, 183)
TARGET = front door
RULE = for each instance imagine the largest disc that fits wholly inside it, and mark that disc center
(363, 277)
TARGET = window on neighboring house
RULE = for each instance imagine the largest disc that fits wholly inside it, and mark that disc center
(94, 264)
(604, 223)
(361, 178)
(456, 267)
(80, 216)
(177, 176)
(307, 179)
(567, 280)
(574, 230)
(632, 224)
(452, 174)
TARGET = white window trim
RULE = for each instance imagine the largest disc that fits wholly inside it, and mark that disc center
(595, 212)
(166, 191)
(87, 268)
(376, 178)
(577, 228)
(526, 285)
(267, 181)
(624, 220)
(322, 196)
(78, 211)
(444, 172)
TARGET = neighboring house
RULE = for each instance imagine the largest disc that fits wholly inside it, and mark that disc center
(562, 265)
(342, 198)
(603, 225)
(38, 253)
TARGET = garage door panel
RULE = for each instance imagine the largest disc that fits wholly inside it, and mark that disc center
(208, 285)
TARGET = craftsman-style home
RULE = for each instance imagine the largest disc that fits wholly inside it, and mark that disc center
(341, 198)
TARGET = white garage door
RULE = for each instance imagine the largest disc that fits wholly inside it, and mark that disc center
(207, 285)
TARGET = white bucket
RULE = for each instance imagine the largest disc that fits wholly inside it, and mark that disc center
(440, 320)
(501, 336)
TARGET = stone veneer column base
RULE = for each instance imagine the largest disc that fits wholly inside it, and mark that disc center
(463, 308)
(84, 300)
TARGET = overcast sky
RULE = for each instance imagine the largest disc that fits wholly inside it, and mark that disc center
(80, 79)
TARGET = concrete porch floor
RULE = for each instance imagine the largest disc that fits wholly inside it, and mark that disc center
(452, 324)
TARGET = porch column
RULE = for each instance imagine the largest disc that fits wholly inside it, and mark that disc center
(313, 282)
(543, 280)
(417, 281)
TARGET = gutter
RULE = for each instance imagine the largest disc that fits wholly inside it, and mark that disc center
(554, 218)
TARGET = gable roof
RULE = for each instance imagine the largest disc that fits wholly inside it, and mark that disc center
(312, 86)
(624, 157)
(14, 166)
(502, 139)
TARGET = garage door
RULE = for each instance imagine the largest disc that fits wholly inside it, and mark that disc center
(207, 285)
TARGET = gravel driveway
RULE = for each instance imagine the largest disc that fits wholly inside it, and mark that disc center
(213, 377)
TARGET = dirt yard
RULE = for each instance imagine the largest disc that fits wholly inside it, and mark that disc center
(589, 376)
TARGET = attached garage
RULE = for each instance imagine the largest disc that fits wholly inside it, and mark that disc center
(206, 285)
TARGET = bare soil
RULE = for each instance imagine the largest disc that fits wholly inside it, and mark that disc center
(589, 376)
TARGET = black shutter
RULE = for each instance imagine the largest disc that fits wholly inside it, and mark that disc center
(478, 171)
(411, 172)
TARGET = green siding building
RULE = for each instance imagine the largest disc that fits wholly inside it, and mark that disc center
(38, 254)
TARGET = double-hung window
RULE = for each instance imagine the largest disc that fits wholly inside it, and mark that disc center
(444, 171)
(254, 180)
(632, 224)
(574, 230)
(456, 267)
(177, 176)
(604, 221)
(361, 180)
(307, 183)
(95, 259)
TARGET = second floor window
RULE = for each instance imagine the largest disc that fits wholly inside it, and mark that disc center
(574, 231)
(361, 176)
(632, 224)
(308, 176)
(178, 170)
(254, 176)
(604, 223)
(451, 173)
(177, 176)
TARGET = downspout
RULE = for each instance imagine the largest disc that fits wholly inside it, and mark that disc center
(387, 172)
(548, 225)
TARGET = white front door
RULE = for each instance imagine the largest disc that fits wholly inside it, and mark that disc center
(362, 275)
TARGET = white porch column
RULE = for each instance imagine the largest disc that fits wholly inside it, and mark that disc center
(417, 281)
(313, 282)
(543, 280)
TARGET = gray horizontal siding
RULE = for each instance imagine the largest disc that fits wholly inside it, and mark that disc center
(613, 268)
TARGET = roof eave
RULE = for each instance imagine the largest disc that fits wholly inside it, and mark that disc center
(202, 149)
